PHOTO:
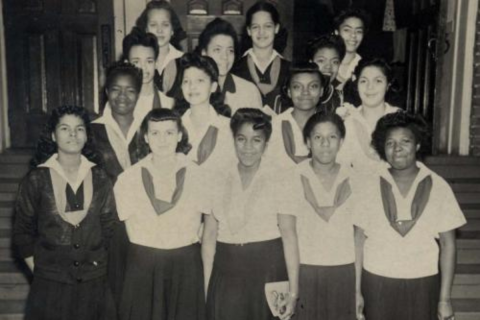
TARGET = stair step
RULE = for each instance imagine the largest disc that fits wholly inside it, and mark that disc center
(10, 307)
(18, 316)
(455, 172)
(468, 244)
(6, 255)
(11, 278)
(13, 170)
(14, 292)
(8, 196)
(5, 242)
(471, 213)
(467, 305)
(6, 222)
(466, 291)
(9, 185)
(468, 256)
(465, 185)
(17, 156)
(468, 197)
(6, 209)
(472, 225)
(433, 161)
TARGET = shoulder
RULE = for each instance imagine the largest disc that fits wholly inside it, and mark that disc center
(243, 84)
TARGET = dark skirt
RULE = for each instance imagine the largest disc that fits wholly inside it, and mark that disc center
(117, 261)
(237, 286)
(326, 293)
(163, 284)
(400, 299)
(51, 300)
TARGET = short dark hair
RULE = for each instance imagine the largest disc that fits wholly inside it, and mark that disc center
(329, 41)
(157, 115)
(138, 37)
(380, 63)
(256, 117)
(401, 119)
(214, 28)
(208, 65)
(124, 68)
(178, 33)
(352, 13)
(46, 147)
(303, 67)
(322, 117)
(281, 37)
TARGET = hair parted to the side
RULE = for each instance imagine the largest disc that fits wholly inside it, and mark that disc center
(214, 28)
(352, 13)
(304, 67)
(124, 68)
(259, 120)
(281, 37)
(207, 65)
(323, 117)
(138, 37)
(328, 41)
(179, 33)
(402, 119)
(46, 147)
(158, 115)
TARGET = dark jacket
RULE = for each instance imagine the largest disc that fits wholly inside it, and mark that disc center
(63, 252)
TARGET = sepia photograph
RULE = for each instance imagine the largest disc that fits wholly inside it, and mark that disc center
(239, 159)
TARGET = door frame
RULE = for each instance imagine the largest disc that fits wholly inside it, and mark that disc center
(4, 127)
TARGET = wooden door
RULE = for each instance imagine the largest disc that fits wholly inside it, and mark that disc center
(196, 14)
(57, 51)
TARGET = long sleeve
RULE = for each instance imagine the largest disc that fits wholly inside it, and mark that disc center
(25, 223)
(108, 215)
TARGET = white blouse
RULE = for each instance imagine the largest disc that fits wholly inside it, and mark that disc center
(174, 228)
(414, 254)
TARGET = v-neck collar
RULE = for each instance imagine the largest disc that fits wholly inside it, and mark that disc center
(108, 120)
(83, 170)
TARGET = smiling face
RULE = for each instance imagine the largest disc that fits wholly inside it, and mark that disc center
(70, 134)
(197, 86)
(328, 62)
(163, 137)
(305, 90)
(250, 145)
(262, 30)
(372, 86)
(122, 95)
(401, 148)
(144, 59)
(159, 23)
(351, 31)
(324, 142)
(221, 49)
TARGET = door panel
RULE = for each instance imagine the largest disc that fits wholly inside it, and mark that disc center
(57, 52)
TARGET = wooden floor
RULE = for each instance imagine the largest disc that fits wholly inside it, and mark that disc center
(463, 173)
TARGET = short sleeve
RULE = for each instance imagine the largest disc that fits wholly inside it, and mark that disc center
(124, 191)
(451, 215)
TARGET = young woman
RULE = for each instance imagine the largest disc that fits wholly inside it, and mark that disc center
(402, 212)
(374, 79)
(116, 139)
(206, 115)
(351, 26)
(305, 88)
(321, 189)
(65, 215)
(219, 41)
(262, 63)
(161, 201)
(160, 19)
(242, 241)
(327, 52)
(141, 50)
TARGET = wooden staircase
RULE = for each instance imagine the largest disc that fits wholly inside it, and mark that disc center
(462, 173)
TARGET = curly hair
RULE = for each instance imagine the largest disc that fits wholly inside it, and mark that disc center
(207, 65)
(138, 37)
(280, 42)
(322, 117)
(214, 28)
(352, 13)
(329, 41)
(157, 115)
(304, 67)
(256, 117)
(179, 33)
(401, 119)
(123, 68)
(46, 147)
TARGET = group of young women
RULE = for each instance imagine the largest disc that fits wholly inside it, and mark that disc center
(210, 175)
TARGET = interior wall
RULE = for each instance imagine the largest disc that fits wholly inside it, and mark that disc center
(4, 129)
